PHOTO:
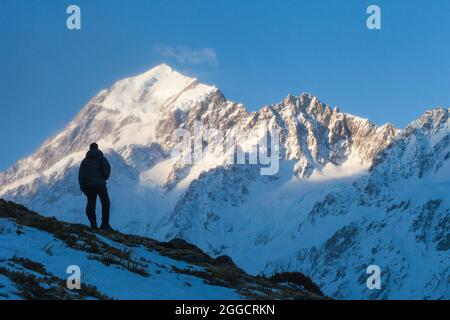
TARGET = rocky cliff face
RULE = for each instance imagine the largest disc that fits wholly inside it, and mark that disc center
(395, 216)
(332, 208)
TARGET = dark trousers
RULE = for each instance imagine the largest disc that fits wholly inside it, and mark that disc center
(91, 194)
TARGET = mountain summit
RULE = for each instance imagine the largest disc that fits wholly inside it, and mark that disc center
(347, 194)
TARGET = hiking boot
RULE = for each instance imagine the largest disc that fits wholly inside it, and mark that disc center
(106, 227)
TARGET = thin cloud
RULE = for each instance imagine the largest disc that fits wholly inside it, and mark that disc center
(187, 55)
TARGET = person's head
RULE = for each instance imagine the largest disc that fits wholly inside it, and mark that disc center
(93, 146)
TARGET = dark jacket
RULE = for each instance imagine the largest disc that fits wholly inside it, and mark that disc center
(94, 170)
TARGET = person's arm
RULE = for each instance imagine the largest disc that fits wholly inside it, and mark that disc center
(106, 168)
(82, 176)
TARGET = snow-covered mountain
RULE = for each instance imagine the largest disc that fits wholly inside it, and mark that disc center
(347, 194)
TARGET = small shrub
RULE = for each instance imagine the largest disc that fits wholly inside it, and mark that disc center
(137, 268)
(30, 265)
(297, 279)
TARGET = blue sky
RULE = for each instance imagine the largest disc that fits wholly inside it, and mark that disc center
(259, 51)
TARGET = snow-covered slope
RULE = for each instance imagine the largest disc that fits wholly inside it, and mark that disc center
(35, 253)
(339, 174)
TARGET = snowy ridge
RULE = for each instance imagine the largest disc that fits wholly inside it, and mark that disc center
(36, 251)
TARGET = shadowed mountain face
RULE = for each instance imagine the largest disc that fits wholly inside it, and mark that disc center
(347, 193)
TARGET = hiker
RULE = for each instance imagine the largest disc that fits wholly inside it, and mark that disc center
(94, 172)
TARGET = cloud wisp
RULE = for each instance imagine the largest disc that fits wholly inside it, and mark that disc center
(187, 55)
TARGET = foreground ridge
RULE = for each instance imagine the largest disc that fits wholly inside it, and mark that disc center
(34, 247)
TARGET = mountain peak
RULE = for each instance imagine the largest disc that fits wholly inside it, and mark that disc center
(306, 95)
(154, 89)
(304, 99)
(162, 66)
(162, 69)
(431, 121)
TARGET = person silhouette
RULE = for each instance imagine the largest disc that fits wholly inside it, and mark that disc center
(92, 176)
